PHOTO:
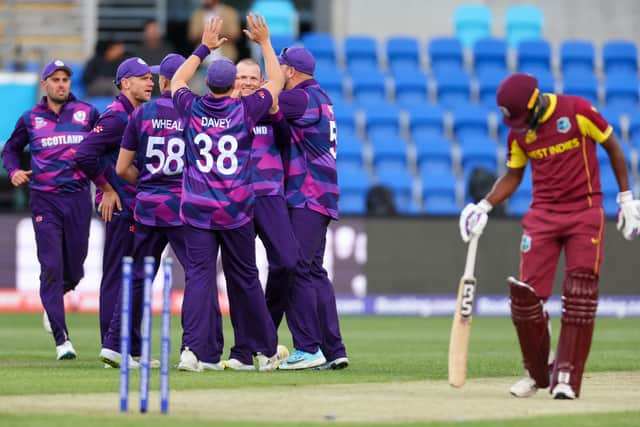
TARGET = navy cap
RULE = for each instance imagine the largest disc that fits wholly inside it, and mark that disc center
(132, 67)
(54, 66)
(299, 58)
(169, 65)
(221, 73)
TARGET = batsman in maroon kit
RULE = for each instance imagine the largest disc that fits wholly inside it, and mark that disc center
(559, 134)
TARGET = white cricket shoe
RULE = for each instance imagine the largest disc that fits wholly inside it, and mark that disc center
(236, 365)
(526, 387)
(112, 358)
(563, 391)
(266, 364)
(65, 351)
(45, 323)
(153, 363)
(189, 362)
(283, 352)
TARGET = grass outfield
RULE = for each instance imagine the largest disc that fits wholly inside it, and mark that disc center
(381, 350)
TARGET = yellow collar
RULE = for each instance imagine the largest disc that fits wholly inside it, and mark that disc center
(553, 101)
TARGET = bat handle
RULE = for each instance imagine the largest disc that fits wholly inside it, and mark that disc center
(470, 264)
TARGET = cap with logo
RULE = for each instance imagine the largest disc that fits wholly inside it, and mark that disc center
(132, 67)
(168, 66)
(221, 73)
(299, 58)
(54, 66)
(516, 97)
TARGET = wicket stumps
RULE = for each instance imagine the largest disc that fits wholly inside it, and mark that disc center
(146, 329)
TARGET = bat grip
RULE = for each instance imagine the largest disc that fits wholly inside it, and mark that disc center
(470, 264)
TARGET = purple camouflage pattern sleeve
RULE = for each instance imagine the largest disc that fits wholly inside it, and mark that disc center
(130, 138)
(182, 100)
(13, 147)
(257, 106)
(293, 103)
(105, 136)
(281, 130)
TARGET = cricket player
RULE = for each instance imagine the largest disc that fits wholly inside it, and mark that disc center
(271, 216)
(60, 197)
(218, 201)
(115, 198)
(153, 139)
(311, 189)
(559, 134)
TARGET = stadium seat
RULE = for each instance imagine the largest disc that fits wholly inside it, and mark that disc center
(603, 158)
(489, 54)
(621, 91)
(425, 120)
(433, 154)
(488, 82)
(445, 52)
(410, 86)
(609, 187)
(439, 193)
(401, 183)
(389, 151)
(534, 55)
(577, 56)
(322, 46)
(620, 56)
(634, 127)
(470, 121)
(403, 52)
(368, 86)
(280, 41)
(523, 22)
(345, 117)
(472, 22)
(19, 92)
(520, 200)
(478, 152)
(453, 86)
(382, 119)
(361, 52)
(100, 102)
(280, 14)
(613, 115)
(331, 80)
(354, 184)
(350, 149)
(546, 82)
(581, 83)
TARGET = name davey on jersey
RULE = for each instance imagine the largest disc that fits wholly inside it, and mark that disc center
(213, 122)
(167, 124)
(54, 141)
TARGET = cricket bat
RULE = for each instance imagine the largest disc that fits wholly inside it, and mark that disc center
(461, 328)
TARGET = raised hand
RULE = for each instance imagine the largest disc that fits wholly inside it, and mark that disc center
(211, 34)
(258, 30)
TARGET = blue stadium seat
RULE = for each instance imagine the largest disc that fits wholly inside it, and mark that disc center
(453, 86)
(620, 56)
(472, 22)
(410, 86)
(534, 55)
(488, 82)
(382, 119)
(389, 152)
(603, 158)
(581, 83)
(403, 52)
(478, 153)
(433, 154)
(280, 14)
(280, 41)
(521, 199)
(19, 92)
(613, 115)
(523, 22)
(609, 187)
(546, 82)
(331, 80)
(470, 121)
(634, 127)
(350, 149)
(100, 102)
(425, 120)
(577, 56)
(621, 91)
(354, 184)
(368, 86)
(445, 52)
(401, 183)
(439, 193)
(322, 46)
(361, 52)
(489, 54)
(345, 117)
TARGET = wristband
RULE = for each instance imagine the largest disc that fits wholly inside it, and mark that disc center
(202, 52)
(624, 196)
(485, 206)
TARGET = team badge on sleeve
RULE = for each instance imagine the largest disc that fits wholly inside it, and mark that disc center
(97, 129)
(563, 124)
(525, 244)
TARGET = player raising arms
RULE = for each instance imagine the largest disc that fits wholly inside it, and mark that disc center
(559, 134)
(218, 201)
(60, 197)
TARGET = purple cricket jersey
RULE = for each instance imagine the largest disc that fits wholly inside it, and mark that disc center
(266, 161)
(98, 153)
(217, 193)
(155, 132)
(53, 140)
(311, 179)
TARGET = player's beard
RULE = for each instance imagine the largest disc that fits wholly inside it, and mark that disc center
(58, 99)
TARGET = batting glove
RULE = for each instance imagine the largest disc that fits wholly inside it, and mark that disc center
(628, 215)
(473, 219)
